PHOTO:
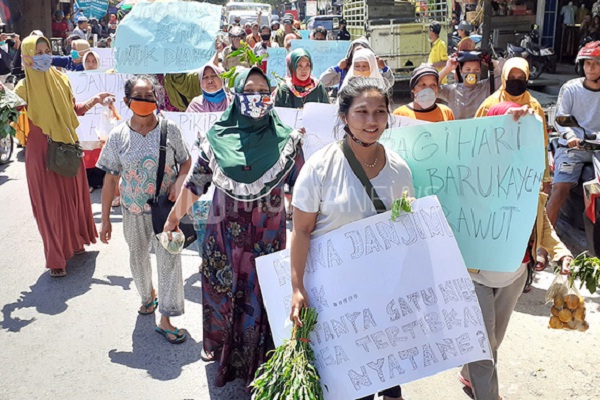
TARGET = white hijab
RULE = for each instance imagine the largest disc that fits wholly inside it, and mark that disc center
(363, 55)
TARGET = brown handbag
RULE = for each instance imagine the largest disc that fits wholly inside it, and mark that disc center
(64, 158)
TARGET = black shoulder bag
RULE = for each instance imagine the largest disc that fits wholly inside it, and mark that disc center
(362, 177)
(160, 205)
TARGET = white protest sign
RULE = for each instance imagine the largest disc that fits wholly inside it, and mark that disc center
(323, 126)
(107, 58)
(86, 85)
(195, 125)
(395, 302)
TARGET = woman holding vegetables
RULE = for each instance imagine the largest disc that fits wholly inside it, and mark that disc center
(333, 172)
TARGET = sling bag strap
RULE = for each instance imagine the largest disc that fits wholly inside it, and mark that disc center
(362, 176)
(162, 156)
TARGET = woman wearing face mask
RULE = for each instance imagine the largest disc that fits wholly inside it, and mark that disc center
(132, 153)
(515, 75)
(322, 203)
(300, 86)
(213, 97)
(465, 96)
(247, 155)
(74, 61)
(424, 86)
(335, 76)
(61, 205)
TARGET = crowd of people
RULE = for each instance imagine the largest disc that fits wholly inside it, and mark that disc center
(251, 158)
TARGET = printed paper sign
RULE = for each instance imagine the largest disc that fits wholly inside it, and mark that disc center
(324, 53)
(171, 37)
(93, 8)
(487, 174)
(395, 302)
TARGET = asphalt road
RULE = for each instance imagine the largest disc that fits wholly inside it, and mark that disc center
(80, 337)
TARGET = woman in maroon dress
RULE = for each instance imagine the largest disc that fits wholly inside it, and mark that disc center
(61, 205)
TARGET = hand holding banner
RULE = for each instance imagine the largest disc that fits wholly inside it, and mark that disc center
(395, 302)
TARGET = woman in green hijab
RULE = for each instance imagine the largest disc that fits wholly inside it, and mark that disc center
(247, 155)
(300, 85)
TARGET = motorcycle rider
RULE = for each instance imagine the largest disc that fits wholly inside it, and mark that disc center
(580, 98)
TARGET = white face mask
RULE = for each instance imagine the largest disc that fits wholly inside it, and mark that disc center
(426, 98)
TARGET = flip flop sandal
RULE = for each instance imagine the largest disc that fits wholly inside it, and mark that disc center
(116, 202)
(58, 272)
(180, 335)
(464, 380)
(153, 304)
(209, 356)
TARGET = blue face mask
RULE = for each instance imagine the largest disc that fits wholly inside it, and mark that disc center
(215, 97)
(74, 54)
(2, 43)
(42, 62)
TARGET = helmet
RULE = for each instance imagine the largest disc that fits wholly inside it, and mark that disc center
(590, 51)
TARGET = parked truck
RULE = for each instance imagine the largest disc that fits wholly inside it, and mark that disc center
(398, 29)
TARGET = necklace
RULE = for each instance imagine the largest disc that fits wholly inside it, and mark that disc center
(372, 165)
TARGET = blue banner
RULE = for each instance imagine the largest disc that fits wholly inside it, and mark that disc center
(276, 67)
(160, 38)
(92, 8)
(487, 174)
(324, 53)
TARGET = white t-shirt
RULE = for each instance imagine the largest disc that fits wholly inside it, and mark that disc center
(327, 185)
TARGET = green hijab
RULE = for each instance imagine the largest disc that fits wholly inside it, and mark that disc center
(246, 148)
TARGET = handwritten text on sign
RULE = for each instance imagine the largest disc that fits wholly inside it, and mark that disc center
(487, 174)
(324, 53)
(276, 66)
(86, 85)
(395, 302)
(170, 37)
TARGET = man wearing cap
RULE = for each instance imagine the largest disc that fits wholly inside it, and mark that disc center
(438, 54)
(465, 96)
(237, 21)
(466, 43)
(287, 29)
(74, 61)
(424, 86)
(60, 27)
(82, 29)
(236, 35)
(343, 33)
(254, 36)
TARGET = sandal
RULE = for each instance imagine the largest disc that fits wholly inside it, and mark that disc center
(209, 356)
(144, 308)
(180, 335)
(116, 202)
(58, 272)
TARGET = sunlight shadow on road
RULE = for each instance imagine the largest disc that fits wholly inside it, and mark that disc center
(50, 295)
(231, 391)
(192, 289)
(151, 352)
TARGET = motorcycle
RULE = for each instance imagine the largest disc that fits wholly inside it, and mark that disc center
(540, 58)
(6, 149)
(582, 209)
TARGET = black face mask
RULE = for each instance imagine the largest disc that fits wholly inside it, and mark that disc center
(516, 87)
(266, 37)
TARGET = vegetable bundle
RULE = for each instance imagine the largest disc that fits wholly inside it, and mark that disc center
(8, 111)
(291, 372)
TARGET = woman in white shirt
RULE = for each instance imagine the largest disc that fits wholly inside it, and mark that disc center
(328, 194)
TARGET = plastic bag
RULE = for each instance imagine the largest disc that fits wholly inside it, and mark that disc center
(173, 246)
(108, 120)
(568, 307)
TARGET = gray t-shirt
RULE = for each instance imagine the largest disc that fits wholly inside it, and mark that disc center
(327, 185)
(574, 99)
(135, 158)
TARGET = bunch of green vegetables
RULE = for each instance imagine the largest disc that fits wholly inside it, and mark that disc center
(587, 270)
(402, 204)
(8, 111)
(290, 373)
(247, 55)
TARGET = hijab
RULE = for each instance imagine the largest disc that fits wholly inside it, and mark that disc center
(362, 55)
(94, 54)
(297, 87)
(182, 88)
(361, 41)
(49, 97)
(245, 149)
(210, 102)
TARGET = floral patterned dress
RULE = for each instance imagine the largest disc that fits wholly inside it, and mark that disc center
(235, 321)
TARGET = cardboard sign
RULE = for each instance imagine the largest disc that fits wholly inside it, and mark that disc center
(394, 299)
(276, 67)
(324, 53)
(167, 37)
